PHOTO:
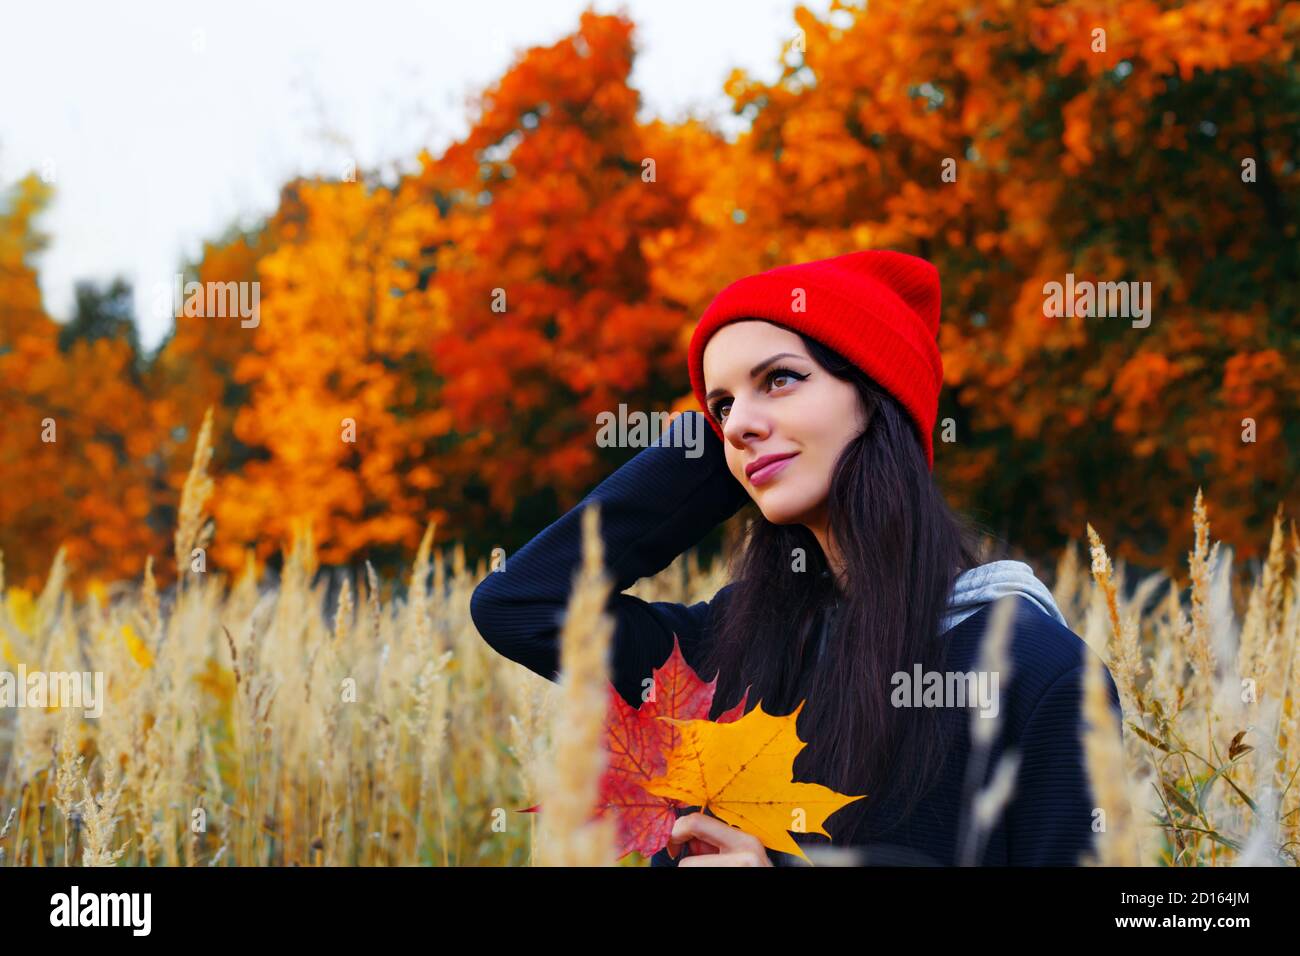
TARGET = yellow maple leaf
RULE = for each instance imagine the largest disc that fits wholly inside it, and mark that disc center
(742, 771)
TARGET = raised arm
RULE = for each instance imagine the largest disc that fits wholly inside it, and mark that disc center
(657, 505)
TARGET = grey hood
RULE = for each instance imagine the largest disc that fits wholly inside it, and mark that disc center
(975, 588)
(988, 582)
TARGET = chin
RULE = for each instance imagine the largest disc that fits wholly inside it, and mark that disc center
(778, 511)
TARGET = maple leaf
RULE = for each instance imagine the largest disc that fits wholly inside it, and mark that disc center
(637, 744)
(743, 772)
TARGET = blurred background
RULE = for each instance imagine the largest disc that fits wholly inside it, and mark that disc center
(380, 175)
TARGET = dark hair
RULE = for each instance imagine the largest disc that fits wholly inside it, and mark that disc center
(903, 547)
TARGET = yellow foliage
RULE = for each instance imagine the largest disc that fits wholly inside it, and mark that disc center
(22, 609)
(139, 650)
(217, 681)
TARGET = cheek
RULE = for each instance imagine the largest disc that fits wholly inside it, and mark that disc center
(817, 478)
(836, 423)
(822, 450)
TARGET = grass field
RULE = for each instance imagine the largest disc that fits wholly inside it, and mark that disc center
(272, 726)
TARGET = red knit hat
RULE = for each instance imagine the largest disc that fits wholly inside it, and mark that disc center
(878, 308)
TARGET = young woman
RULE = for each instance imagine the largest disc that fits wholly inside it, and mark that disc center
(821, 382)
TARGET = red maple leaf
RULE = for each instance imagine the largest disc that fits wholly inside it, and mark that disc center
(638, 743)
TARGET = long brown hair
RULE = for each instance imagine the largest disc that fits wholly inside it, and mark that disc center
(903, 547)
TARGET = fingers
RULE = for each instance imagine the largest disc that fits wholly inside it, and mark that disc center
(684, 833)
(699, 847)
(693, 846)
(697, 828)
(724, 859)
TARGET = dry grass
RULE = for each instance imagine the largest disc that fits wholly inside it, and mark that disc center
(252, 725)
(570, 790)
(1207, 772)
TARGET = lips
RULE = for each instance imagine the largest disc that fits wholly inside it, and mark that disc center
(762, 467)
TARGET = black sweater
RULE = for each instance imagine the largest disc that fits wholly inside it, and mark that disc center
(663, 502)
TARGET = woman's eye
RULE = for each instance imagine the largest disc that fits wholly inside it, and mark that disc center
(777, 373)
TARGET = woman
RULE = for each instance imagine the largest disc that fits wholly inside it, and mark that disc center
(821, 383)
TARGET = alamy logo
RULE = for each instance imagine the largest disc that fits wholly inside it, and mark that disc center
(1088, 299)
(102, 909)
(220, 300)
(946, 689)
(639, 430)
(84, 689)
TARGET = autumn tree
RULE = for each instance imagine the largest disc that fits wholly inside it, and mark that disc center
(440, 347)
(1011, 144)
(75, 434)
(547, 309)
(339, 416)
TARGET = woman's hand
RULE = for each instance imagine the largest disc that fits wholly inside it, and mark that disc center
(710, 842)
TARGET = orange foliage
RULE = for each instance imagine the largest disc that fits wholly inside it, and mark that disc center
(75, 430)
(333, 369)
(473, 318)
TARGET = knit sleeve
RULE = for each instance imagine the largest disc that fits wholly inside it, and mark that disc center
(1050, 817)
(660, 503)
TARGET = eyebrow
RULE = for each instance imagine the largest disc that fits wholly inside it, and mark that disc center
(753, 372)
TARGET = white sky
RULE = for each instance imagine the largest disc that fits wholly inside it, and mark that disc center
(164, 121)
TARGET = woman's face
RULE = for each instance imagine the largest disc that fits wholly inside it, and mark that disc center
(771, 398)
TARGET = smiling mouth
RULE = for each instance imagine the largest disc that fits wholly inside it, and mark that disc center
(770, 470)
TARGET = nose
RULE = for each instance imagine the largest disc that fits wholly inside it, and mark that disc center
(744, 423)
